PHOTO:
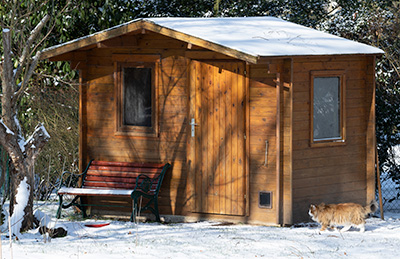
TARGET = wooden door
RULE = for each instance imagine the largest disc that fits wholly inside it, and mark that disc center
(219, 140)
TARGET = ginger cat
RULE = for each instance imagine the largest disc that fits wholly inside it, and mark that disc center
(342, 214)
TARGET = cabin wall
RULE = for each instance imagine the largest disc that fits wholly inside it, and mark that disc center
(338, 173)
(295, 173)
(100, 141)
(263, 114)
(98, 115)
(286, 111)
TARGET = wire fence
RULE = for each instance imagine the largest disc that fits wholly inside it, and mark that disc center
(390, 194)
(391, 187)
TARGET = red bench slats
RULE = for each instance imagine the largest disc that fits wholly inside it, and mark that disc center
(114, 185)
(127, 164)
(125, 169)
(110, 185)
(118, 174)
(90, 178)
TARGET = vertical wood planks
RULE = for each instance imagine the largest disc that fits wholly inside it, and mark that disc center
(222, 136)
(222, 143)
(240, 139)
(234, 143)
(228, 135)
(198, 169)
(191, 154)
(263, 112)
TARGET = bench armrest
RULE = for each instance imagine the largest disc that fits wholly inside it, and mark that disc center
(69, 179)
(143, 183)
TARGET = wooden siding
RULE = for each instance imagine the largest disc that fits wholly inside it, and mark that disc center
(286, 141)
(371, 134)
(329, 174)
(219, 172)
(295, 173)
(98, 115)
(263, 126)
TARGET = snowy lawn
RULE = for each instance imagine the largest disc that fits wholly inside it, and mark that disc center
(206, 240)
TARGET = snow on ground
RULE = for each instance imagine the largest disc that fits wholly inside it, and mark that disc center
(206, 240)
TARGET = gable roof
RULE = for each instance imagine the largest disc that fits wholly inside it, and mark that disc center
(246, 38)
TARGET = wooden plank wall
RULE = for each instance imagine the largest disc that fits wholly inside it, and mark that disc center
(371, 133)
(99, 117)
(263, 115)
(329, 174)
(220, 148)
(286, 142)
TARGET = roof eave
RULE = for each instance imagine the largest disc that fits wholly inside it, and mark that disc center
(92, 39)
(141, 24)
(151, 26)
(262, 59)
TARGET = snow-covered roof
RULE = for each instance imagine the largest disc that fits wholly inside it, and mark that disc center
(265, 36)
(252, 36)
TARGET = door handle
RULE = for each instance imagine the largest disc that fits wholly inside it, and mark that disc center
(266, 154)
(192, 124)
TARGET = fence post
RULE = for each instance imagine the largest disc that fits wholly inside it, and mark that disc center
(378, 176)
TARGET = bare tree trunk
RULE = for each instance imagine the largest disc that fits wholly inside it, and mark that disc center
(22, 152)
(25, 171)
(27, 222)
(4, 167)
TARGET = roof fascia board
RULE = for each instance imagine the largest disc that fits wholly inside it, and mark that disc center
(139, 25)
(151, 26)
(267, 59)
(91, 39)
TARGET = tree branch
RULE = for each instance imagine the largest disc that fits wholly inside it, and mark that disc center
(7, 81)
(36, 142)
(7, 63)
(9, 141)
(28, 75)
(26, 51)
(59, 80)
(1, 67)
(54, 24)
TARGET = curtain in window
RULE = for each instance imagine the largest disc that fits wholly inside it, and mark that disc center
(326, 108)
(137, 97)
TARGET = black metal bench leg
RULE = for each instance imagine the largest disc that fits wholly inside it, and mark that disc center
(81, 207)
(156, 210)
(134, 210)
(60, 200)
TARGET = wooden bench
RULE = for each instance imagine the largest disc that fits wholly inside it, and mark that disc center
(119, 179)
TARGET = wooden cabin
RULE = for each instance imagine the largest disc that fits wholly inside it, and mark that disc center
(259, 117)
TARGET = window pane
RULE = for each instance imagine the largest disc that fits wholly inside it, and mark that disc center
(326, 108)
(137, 97)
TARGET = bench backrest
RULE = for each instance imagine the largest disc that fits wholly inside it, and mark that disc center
(122, 175)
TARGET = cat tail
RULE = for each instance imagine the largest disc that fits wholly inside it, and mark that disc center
(371, 207)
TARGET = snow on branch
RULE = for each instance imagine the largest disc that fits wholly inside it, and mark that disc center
(36, 141)
(17, 148)
(7, 130)
(8, 140)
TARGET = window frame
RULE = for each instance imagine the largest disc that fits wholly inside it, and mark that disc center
(135, 61)
(341, 74)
